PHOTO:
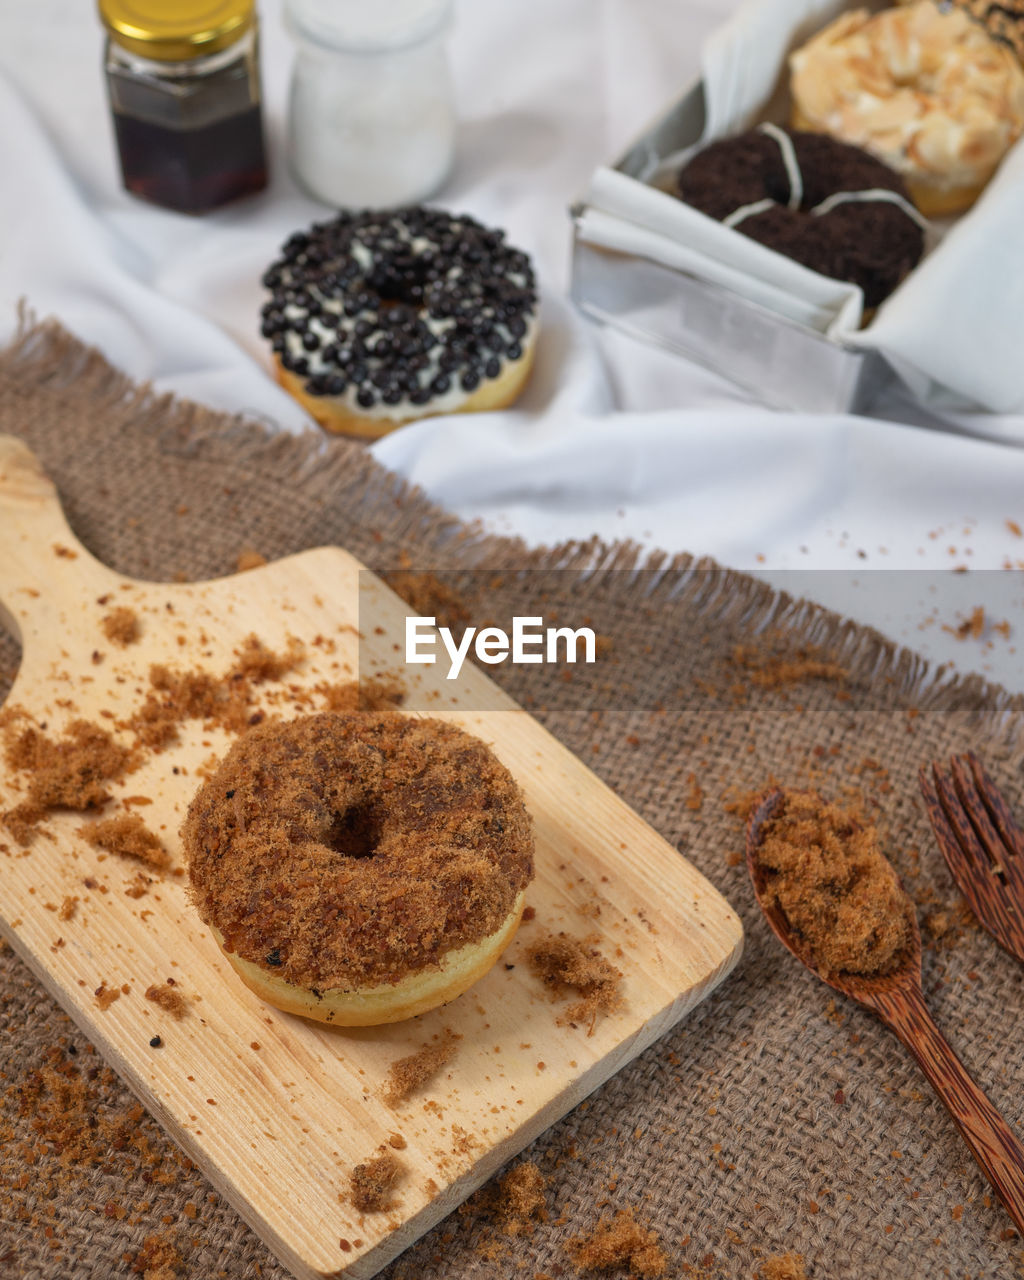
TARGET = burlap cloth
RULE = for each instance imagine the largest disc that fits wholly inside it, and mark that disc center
(773, 1119)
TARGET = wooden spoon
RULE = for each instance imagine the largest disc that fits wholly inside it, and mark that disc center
(898, 1001)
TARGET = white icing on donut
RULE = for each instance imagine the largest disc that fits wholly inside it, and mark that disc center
(796, 178)
(749, 211)
(869, 196)
(796, 184)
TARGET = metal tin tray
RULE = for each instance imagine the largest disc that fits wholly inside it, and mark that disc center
(781, 363)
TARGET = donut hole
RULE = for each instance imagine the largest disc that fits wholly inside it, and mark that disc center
(356, 831)
(400, 282)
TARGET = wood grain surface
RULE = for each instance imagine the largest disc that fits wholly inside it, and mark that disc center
(274, 1109)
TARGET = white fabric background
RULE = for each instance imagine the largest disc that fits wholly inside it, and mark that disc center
(610, 437)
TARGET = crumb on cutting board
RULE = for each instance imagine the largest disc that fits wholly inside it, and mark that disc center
(169, 998)
(121, 626)
(372, 1183)
(126, 834)
(364, 695)
(569, 965)
(105, 996)
(223, 701)
(63, 773)
(408, 1075)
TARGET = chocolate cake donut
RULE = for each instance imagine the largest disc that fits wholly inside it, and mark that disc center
(381, 317)
(362, 867)
(826, 204)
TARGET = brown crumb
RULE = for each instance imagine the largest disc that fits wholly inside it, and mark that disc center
(365, 695)
(169, 998)
(248, 558)
(520, 1201)
(372, 1183)
(408, 1075)
(694, 794)
(126, 834)
(743, 803)
(429, 596)
(63, 1119)
(65, 773)
(105, 996)
(68, 908)
(158, 1259)
(784, 1266)
(121, 626)
(565, 965)
(769, 670)
(971, 627)
(617, 1242)
(225, 701)
(256, 663)
(824, 869)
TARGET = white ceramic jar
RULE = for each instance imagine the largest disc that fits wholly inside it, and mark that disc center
(371, 118)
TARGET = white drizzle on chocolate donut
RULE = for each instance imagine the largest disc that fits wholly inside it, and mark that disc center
(389, 311)
(795, 178)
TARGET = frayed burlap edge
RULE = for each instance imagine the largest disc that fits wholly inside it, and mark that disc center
(326, 468)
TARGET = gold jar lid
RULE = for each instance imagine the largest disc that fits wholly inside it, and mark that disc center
(176, 30)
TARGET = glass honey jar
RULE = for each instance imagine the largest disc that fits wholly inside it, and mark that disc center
(184, 86)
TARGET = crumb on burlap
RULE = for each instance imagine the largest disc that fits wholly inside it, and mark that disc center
(741, 804)
(362, 695)
(944, 924)
(515, 1203)
(694, 793)
(121, 626)
(219, 701)
(127, 835)
(619, 1241)
(784, 1266)
(249, 558)
(158, 1259)
(63, 1116)
(767, 669)
(570, 965)
(64, 773)
(169, 998)
(372, 1183)
(408, 1075)
(519, 1199)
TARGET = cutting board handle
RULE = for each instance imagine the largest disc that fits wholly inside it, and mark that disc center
(43, 566)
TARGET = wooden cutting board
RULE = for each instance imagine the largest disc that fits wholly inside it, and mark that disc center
(278, 1127)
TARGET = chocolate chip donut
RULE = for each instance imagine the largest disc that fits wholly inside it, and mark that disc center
(359, 868)
(381, 317)
(826, 204)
